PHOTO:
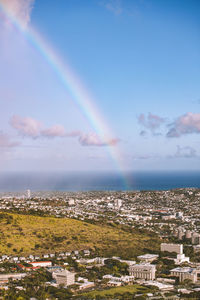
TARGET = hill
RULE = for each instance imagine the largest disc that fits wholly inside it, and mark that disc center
(25, 234)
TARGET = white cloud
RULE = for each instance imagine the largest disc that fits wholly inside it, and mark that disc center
(113, 5)
(93, 139)
(56, 130)
(20, 9)
(26, 126)
(32, 128)
(185, 124)
(151, 122)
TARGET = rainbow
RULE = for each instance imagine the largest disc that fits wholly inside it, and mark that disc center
(73, 85)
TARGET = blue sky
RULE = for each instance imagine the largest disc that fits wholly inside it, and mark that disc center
(140, 62)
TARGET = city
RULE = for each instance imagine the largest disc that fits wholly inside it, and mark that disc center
(166, 266)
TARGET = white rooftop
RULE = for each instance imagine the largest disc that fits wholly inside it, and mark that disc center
(148, 256)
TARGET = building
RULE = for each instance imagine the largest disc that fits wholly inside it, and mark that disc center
(143, 271)
(181, 233)
(195, 238)
(179, 215)
(28, 194)
(181, 258)
(178, 248)
(188, 234)
(161, 286)
(41, 264)
(117, 281)
(117, 203)
(147, 257)
(4, 278)
(128, 262)
(71, 202)
(86, 285)
(196, 248)
(185, 273)
(64, 277)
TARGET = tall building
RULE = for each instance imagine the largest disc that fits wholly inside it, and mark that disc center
(28, 194)
(178, 248)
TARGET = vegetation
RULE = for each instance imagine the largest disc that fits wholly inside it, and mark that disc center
(122, 292)
(26, 234)
(34, 286)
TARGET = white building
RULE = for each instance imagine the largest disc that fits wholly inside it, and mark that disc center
(118, 203)
(4, 278)
(64, 277)
(28, 194)
(71, 202)
(147, 257)
(143, 271)
(41, 264)
(185, 273)
(118, 280)
(181, 258)
(161, 286)
(178, 248)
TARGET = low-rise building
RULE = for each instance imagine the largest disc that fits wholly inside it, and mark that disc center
(86, 285)
(64, 277)
(4, 278)
(185, 273)
(41, 264)
(161, 286)
(147, 257)
(196, 248)
(195, 238)
(143, 271)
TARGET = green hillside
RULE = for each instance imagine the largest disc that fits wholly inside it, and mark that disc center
(25, 234)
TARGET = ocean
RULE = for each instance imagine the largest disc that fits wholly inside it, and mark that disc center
(82, 181)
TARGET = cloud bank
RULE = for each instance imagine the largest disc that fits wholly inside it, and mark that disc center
(20, 9)
(29, 127)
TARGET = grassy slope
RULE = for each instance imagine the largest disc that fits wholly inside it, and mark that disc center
(32, 234)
